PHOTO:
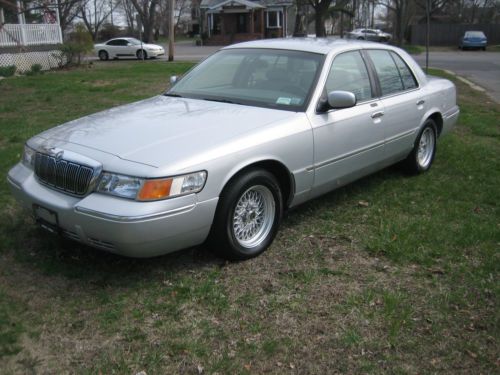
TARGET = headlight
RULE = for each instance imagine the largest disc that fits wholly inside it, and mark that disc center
(151, 189)
(29, 157)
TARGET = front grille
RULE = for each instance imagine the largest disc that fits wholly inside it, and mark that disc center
(63, 175)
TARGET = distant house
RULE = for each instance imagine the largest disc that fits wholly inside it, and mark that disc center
(26, 44)
(231, 21)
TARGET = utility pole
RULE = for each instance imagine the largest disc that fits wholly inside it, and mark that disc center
(171, 31)
(427, 36)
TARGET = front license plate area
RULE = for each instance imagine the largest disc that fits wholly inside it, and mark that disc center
(46, 218)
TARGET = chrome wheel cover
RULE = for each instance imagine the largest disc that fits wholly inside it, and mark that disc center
(253, 216)
(426, 148)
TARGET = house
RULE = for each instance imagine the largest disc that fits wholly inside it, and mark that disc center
(25, 44)
(230, 21)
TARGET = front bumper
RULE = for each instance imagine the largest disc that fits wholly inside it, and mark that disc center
(130, 228)
(155, 53)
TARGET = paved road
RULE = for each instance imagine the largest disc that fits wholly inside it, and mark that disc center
(479, 67)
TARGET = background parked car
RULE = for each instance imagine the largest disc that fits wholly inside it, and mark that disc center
(374, 35)
(473, 39)
(127, 47)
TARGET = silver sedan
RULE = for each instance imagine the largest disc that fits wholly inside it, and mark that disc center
(255, 129)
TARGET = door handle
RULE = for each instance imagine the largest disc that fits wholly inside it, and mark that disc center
(421, 102)
(378, 114)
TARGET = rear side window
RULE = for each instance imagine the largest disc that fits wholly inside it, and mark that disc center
(409, 81)
(348, 73)
(387, 71)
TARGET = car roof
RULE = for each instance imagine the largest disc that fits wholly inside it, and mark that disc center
(316, 45)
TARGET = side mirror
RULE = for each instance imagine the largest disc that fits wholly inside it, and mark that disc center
(341, 99)
(173, 80)
(337, 100)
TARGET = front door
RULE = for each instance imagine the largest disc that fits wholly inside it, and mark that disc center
(349, 142)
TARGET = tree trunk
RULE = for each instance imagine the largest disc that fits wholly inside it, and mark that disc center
(319, 24)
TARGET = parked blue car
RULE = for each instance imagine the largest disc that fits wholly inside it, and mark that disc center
(473, 39)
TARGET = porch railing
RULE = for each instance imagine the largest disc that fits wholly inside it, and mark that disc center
(29, 35)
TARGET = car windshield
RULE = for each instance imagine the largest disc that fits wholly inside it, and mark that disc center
(474, 34)
(260, 77)
(134, 41)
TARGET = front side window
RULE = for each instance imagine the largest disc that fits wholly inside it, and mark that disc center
(115, 42)
(387, 71)
(348, 73)
(262, 77)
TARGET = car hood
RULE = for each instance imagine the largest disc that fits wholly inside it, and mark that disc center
(164, 130)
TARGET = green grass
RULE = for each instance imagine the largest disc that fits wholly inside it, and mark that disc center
(404, 283)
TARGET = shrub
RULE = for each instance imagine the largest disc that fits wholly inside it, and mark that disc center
(80, 43)
(35, 70)
(7, 71)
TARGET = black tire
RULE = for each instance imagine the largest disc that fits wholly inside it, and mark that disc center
(224, 239)
(103, 55)
(139, 54)
(361, 38)
(424, 150)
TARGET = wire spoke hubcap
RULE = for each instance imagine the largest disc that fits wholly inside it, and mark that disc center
(253, 216)
(425, 148)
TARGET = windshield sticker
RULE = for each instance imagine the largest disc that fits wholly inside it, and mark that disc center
(296, 101)
(282, 100)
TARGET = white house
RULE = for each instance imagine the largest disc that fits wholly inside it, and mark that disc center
(25, 45)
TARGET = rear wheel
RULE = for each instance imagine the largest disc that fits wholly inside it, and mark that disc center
(424, 150)
(248, 216)
(103, 55)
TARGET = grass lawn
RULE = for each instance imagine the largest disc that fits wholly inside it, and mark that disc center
(392, 274)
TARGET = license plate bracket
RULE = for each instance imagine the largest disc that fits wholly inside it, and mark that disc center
(46, 218)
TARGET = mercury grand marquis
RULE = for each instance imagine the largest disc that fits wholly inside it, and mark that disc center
(255, 129)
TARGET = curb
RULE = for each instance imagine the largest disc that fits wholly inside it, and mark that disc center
(472, 85)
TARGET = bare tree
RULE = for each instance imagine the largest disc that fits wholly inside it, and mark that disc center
(321, 12)
(68, 11)
(146, 10)
(94, 14)
(403, 11)
(129, 12)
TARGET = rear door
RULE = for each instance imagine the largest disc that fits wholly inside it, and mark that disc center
(403, 102)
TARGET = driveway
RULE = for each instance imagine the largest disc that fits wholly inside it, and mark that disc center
(479, 67)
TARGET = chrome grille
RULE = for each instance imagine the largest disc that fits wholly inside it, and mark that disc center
(63, 175)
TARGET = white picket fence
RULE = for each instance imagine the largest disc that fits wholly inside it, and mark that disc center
(29, 35)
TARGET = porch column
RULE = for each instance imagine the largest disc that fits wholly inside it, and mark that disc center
(262, 23)
(21, 20)
(222, 28)
(252, 26)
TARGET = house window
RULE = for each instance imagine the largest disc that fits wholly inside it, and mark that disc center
(274, 18)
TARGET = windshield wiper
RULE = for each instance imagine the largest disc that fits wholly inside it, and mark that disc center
(173, 95)
(220, 100)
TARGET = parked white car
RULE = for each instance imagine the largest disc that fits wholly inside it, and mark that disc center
(253, 130)
(127, 47)
(374, 35)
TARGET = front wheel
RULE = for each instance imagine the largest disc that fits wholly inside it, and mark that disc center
(248, 216)
(424, 150)
(141, 55)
